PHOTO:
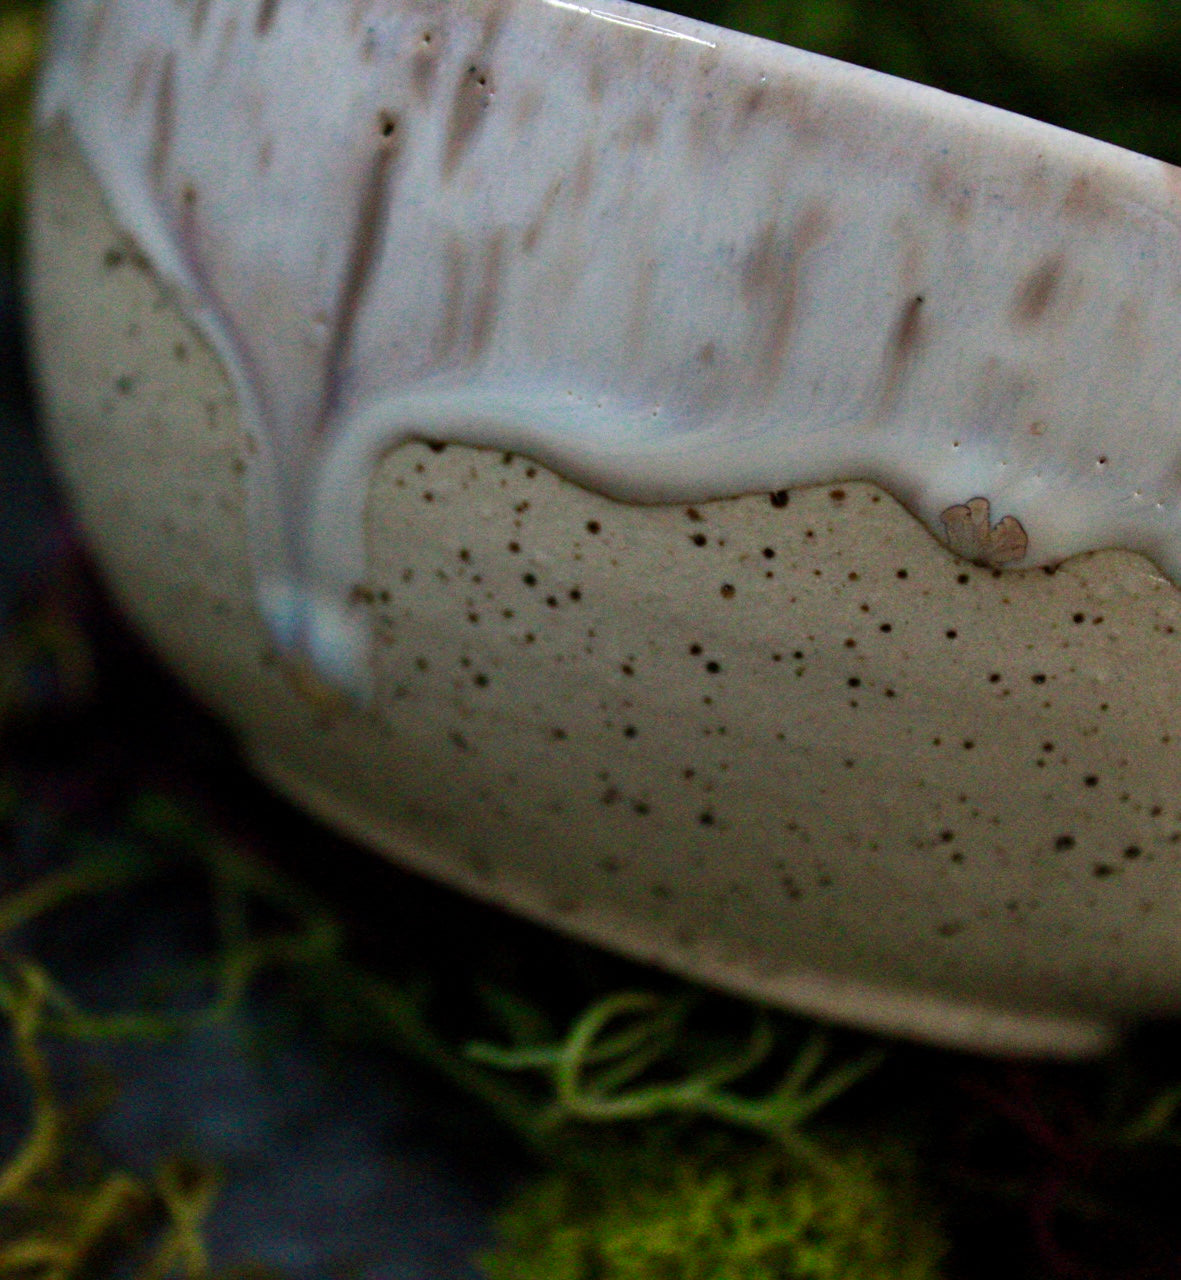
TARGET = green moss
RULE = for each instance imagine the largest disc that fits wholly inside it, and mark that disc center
(64, 1210)
(715, 1207)
(640, 1055)
(742, 1188)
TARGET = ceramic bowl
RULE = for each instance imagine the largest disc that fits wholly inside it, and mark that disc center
(708, 498)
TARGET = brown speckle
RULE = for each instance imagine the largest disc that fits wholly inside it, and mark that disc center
(1087, 201)
(753, 100)
(770, 287)
(96, 25)
(163, 122)
(596, 85)
(487, 299)
(905, 339)
(227, 37)
(781, 103)
(949, 192)
(466, 325)
(908, 331)
(1037, 291)
(424, 65)
(364, 253)
(141, 75)
(472, 98)
(642, 130)
(582, 182)
(265, 16)
(533, 231)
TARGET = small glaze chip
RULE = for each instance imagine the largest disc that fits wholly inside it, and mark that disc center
(971, 534)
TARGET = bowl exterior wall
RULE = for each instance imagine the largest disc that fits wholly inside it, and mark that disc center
(787, 745)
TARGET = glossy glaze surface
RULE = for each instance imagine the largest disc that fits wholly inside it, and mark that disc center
(671, 262)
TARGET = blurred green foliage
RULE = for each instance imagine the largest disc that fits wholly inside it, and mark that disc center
(720, 1208)
(1102, 67)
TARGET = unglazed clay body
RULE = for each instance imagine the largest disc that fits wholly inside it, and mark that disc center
(796, 747)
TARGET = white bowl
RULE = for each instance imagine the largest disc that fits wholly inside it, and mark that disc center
(623, 267)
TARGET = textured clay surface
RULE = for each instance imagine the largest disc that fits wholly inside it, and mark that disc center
(786, 743)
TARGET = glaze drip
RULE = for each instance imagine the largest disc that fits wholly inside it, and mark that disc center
(670, 262)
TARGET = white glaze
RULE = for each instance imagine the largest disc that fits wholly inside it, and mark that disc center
(669, 261)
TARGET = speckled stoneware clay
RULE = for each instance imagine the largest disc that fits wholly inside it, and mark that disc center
(437, 384)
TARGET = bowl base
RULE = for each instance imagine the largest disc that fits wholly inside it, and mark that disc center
(888, 1010)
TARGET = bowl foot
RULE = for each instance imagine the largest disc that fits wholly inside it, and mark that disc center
(928, 1017)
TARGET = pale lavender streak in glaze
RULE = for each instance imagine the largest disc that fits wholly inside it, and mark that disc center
(667, 260)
